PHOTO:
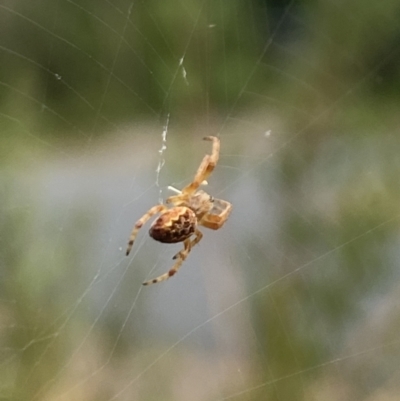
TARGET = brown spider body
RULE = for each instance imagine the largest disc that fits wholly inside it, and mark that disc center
(190, 208)
(174, 225)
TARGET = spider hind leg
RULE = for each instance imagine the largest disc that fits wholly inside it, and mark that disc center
(175, 267)
(141, 222)
(199, 236)
(180, 256)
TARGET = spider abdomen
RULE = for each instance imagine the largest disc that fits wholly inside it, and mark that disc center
(174, 225)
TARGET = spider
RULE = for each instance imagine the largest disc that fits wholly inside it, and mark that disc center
(190, 208)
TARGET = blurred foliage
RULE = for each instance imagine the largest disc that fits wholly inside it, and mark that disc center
(327, 69)
(63, 63)
(333, 271)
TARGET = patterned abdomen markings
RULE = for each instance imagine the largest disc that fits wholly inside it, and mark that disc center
(175, 225)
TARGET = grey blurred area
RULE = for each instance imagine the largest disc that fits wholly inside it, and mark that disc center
(104, 105)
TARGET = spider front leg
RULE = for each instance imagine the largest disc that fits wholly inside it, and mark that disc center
(206, 167)
(140, 223)
(181, 256)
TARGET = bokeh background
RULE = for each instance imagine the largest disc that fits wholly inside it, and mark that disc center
(104, 104)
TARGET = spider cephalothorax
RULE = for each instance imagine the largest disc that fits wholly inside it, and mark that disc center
(190, 208)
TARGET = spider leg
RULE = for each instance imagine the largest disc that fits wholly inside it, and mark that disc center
(175, 267)
(177, 199)
(181, 256)
(139, 224)
(199, 236)
(206, 167)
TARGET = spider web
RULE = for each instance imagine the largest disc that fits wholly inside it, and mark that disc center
(103, 109)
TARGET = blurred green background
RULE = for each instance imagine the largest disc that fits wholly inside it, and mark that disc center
(296, 298)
